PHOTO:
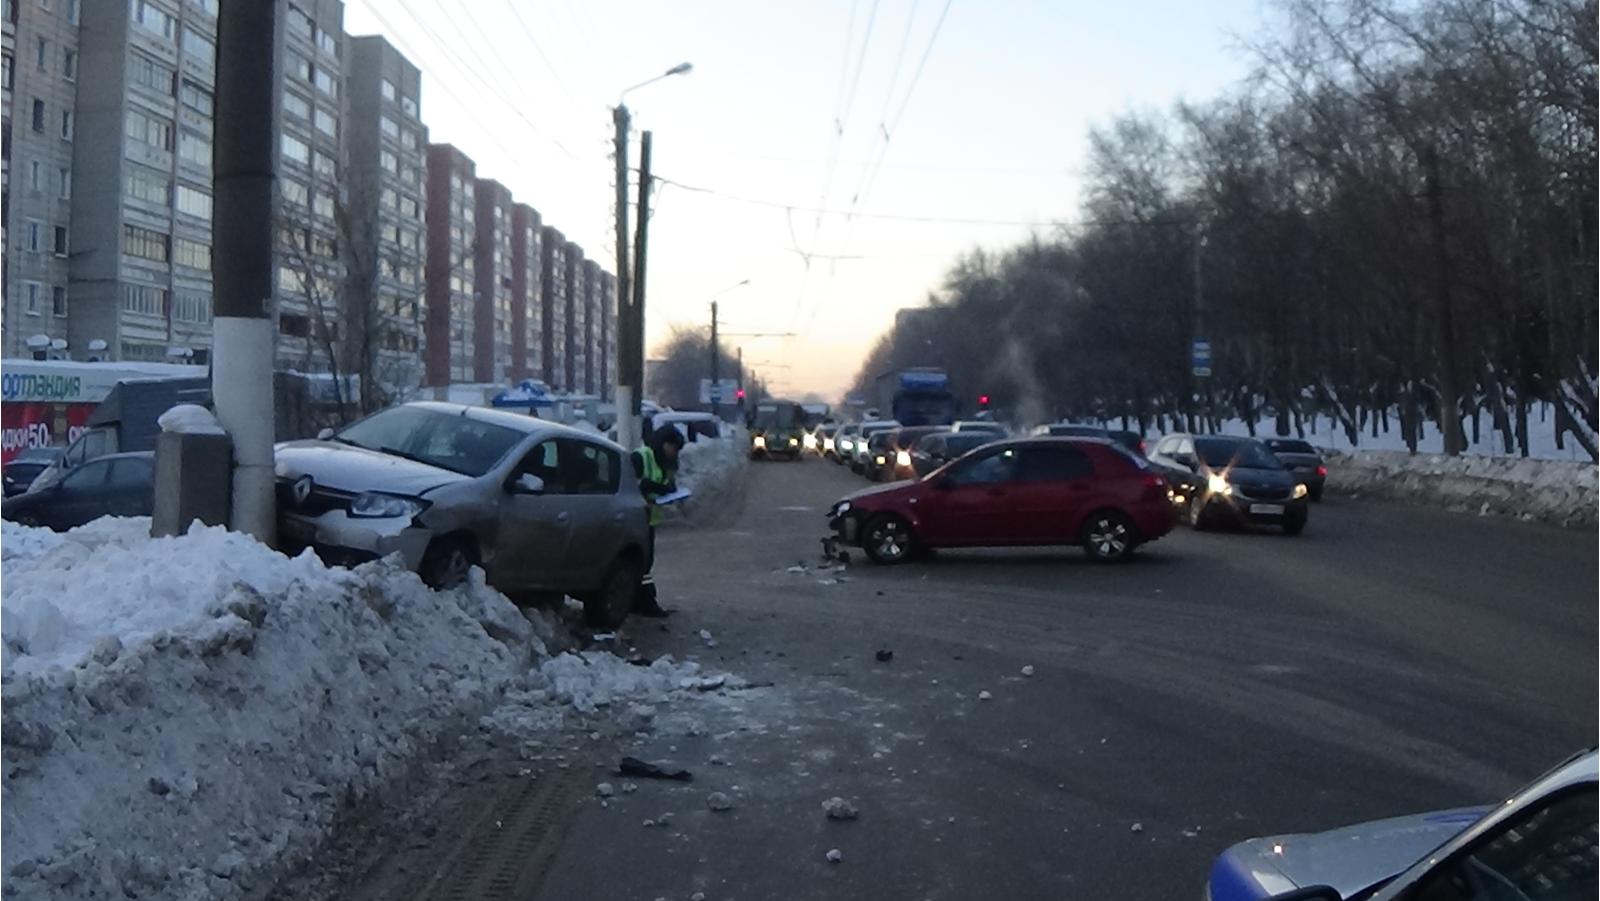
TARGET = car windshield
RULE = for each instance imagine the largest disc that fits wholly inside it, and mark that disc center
(1289, 446)
(446, 440)
(38, 455)
(775, 416)
(1222, 453)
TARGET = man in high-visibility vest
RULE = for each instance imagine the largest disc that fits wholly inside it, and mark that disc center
(657, 465)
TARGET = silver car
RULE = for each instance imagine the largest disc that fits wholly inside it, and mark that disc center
(541, 507)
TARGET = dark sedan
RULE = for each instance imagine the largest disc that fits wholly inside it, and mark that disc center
(897, 463)
(113, 485)
(1303, 460)
(939, 448)
(26, 466)
(1220, 478)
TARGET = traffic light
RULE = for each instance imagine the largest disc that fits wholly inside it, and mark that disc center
(739, 394)
(983, 401)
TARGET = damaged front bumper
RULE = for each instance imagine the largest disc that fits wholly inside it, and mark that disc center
(843, 523)
(344, 540)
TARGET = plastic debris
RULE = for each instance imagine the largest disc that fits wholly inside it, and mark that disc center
(839, 809)
(984, 696)
(834, 856)
(1028, 670)
(604, 790)
(1136, 827)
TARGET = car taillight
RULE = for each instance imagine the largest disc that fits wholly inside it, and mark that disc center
(1141, 446)
(1322, 471)
(1155, 486)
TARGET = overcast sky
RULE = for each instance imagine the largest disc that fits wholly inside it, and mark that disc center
(994, 129)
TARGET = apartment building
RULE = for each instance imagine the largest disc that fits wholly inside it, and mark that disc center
(607, 343)
(492, 282)
(577, 351)
(553, 277)
(590, 304)
(449, 331)
(527, 292)
(385, 240)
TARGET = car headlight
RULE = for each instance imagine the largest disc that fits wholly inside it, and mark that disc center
(793, 441)
(759, 442)
(375, 505)
(841, 508)
(810, 442)
(902, 458)
(880, 459)
(1300, 491)
(827, 444)
(1216, 484)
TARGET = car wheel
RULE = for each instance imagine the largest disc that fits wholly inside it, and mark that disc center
(1196, 513)
(887, 539)
(447, 563)
(1316, 493)
(1109, 536)
(1294, 526)
(608, 607)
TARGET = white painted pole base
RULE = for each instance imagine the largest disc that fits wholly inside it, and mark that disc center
(241, 387)
(627, 423)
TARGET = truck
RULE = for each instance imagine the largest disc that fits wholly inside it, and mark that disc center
(916, 396)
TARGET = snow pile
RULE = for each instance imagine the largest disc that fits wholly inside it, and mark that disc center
(190, 419)
(709, 467)
(185, 717)
(591, 680)
(1562, 492)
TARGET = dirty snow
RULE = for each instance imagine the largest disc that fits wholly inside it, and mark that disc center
(190, 419)
(709, 468)
(1562, 492)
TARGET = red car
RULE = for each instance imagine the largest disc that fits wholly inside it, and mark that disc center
(1038, 491)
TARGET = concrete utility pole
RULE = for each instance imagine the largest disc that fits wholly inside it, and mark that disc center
(715, 398)
(628, 392)
(636, 320)
(244, 159)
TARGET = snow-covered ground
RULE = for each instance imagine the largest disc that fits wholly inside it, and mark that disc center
(186, 717)
(1562, 492)
(1326, 433)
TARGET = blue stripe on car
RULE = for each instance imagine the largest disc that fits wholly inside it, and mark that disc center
(1231, 881)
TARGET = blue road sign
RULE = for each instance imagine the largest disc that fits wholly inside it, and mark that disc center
(1202, 358)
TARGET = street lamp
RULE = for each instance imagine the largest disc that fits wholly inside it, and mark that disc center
(630, 299)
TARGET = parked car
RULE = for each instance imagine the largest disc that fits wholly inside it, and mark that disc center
(880, 454)
(1537, 844)
(1040, 491)
(26, 466)
(692, 425)
(858, 445)
(844, 442)
(935, 450)
(1131, 440)
(1217, 477)
(108, 485)
(896, 463)
(540, 506)
(824, 440)
(980, 425)
(1070, 430)
(1303, 460)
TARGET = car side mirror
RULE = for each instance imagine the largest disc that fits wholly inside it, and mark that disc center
(325, 434)
(1310, 893)
(527, 483)
(1184, 460)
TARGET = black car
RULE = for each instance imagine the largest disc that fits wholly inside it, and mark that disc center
(113, 485)
(1131, 440)
(897, 464)
(879, 455)
(935, 450)
(1303, 460)
(25, 467)
(1217, 477)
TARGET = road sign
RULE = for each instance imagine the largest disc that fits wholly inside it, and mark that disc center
(1202, 358)
(723, 391)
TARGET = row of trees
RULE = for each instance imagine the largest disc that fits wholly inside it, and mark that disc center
(1396, 216)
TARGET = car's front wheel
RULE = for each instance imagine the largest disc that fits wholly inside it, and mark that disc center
(1109, 536)
(888, 540)
(447, 563)
(608, 607)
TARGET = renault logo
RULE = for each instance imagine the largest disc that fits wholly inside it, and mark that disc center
(301, 490)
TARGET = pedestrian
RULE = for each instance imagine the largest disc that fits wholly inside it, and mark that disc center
(657, 465)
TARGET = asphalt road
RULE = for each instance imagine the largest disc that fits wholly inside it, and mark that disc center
(1219, 686)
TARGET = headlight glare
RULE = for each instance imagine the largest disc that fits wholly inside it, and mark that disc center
(1300, 491)
(1216, 484)
(759, 442)
(384, 506)
(902, 458)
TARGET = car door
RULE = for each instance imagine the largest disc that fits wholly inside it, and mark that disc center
(971, 504)
(130, 488)
(597, 516)
(1174, 455)
(1054, 487)
(78, 498)
(535, 528)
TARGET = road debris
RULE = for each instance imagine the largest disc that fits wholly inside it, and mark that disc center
(604, 790)
(1028, 670)
(798, 569)
(706, 639)
(719, 802)
(834, 856)
(1136, 827)
(633, 766)
(838, 808)
(984, 696)
(884, 655)
(629, 788)
(698, 896)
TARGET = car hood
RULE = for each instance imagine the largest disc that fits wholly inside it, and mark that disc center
(882, 492)
(1300, 459)
(345, 467)
(1349, 859)
(1242, 477)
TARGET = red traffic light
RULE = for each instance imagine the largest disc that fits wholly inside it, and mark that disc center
(983, 400)
(739, 394)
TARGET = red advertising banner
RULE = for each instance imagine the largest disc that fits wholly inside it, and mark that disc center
(33, 424)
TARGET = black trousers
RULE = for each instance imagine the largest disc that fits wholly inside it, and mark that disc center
(645, 599)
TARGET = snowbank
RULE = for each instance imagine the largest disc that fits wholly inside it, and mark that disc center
(1561, 492)
(185, 717)
(710, 468)
(190, 419)
(1326, 433)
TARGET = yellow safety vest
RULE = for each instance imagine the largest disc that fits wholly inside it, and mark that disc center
(652, 473)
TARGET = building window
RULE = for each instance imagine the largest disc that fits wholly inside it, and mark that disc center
(193, 254)
(408, 139)
(387, 199)
(33, 290)
(64, 183)
(295, 150)
(8, 76)
(148, 129)
(35, 235)
(198, 99)
(298, 66)
(327, 41)
(210, 6)
(290, 280)
(44, 54)
(144, 243)
(194, 202)
(192, 306)
(147, 185)
(323, 79)
(294, 325)
(386, 87)
(409, 207)
(66, 125)
(297, 105)
(388, 161)
(325, 166)
(61, 241)
(74, 11)
(197, 44)
(153, 18)
(299, 22)
(146, 299)
(323, 204)
(38, 115)
(58, 300)
(293, 191)
(69, 65)
(195, 148)
(326, 123)
(34, 178)
(389, 127)
(409, 104)
(142, 70)
(408, 239)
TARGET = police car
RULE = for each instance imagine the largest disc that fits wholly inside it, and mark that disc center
(1537, 845)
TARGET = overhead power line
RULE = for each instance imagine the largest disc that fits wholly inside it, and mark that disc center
(887, 217)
